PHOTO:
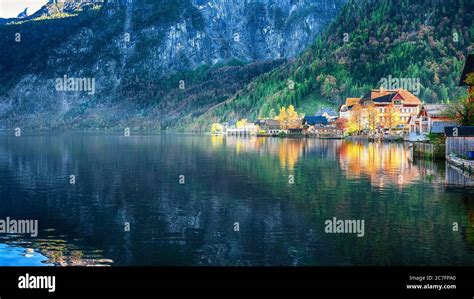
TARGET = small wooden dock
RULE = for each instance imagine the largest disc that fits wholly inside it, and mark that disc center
(239, 132)
(459, 142)
(456, 177)
(467, 166)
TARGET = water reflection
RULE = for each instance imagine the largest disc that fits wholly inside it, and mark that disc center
(385, 164)
(11, 255)
(468, 231)
(456, 177)
(288, 151)
(136, 180)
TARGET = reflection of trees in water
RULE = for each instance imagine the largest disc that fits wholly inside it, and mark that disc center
(38, 188)
(272, 230)
(227, 180)
(121, 180)
(468, 229)
(408, 218)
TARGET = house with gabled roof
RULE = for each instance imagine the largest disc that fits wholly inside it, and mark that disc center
(431, 119)
(328, 113)
(385, 103)
(270, 126)
(345, 109)
(315, 121)
(404, 102)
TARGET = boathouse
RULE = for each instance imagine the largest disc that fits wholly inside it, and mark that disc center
(460, 147)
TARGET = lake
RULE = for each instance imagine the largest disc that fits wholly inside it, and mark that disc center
(191, 200)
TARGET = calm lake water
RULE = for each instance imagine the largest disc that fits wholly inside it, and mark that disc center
(407, 207)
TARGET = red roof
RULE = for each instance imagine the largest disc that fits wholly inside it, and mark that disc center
(399, 94)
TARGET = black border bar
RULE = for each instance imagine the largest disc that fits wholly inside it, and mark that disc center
(221, 282)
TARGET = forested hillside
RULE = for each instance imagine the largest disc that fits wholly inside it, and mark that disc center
(156, 63)
(370, 40)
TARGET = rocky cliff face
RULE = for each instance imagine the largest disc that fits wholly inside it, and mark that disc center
(146, 57)
(245, 30)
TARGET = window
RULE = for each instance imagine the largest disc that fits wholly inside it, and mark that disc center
(397, 102)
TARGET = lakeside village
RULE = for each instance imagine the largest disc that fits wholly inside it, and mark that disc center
(433, 131)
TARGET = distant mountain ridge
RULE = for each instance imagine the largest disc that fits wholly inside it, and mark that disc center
(58, 8)
(139, 52)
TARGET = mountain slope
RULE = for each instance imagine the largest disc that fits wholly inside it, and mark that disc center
(140, 52)
(370, 40)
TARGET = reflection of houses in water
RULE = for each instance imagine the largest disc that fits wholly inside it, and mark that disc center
(382, 163)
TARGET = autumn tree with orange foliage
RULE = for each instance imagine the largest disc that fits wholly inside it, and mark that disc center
(283, 117)
(341, 124)
(289, 117)
(372, 118)
(354, 124)
(293, 118)
(392, 118)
